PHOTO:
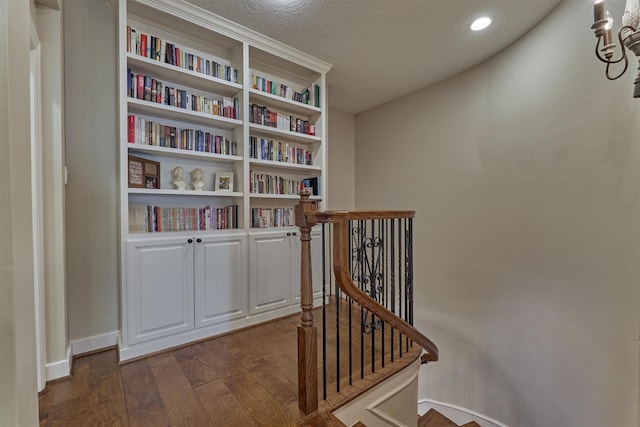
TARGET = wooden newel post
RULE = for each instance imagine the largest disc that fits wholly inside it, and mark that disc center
(307, 332)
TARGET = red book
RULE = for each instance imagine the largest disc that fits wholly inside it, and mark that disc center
(131, 128)
(143, 44)
(177, 57)
(140, 91)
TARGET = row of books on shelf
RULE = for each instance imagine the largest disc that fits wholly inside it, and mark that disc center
(272, 217)
(147, 88)
(158, 49)
(309, 96)
(150, 219)
(147, 132)
(277, 151)
(264, 183)
(262, 115)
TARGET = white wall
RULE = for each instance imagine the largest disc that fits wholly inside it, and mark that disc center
(50, 34)
(525, 174)
(18, 393)
(91, 155)
(341, 172)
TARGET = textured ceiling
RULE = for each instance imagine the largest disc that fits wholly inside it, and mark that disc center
(384, 49)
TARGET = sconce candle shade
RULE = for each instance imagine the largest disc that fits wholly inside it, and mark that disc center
(628, 38)
(598, 10)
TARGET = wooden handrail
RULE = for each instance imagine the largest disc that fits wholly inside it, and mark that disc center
(344, 216)
(306, 217)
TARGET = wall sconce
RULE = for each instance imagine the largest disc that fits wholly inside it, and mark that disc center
(628, 36)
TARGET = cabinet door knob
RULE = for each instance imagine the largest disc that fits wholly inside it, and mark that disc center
(190, 241)
(288, 234)
(199, 240)
(295, 234)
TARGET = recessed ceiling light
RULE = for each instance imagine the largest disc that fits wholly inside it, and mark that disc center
(481, 23)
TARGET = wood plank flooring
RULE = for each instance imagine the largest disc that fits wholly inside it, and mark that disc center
(246, 378)
(433, 418)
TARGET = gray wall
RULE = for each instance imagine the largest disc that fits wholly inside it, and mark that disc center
(341, 172)
(18, 393)
(524, 173)
(53, 161)
(90, 33)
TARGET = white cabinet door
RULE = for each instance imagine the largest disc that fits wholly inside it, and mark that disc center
(159, 288)
(316, 264)
(270, 271)
(220, 278)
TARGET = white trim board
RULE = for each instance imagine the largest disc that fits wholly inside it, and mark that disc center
(61, 368)
(457, 414)
(96, 342)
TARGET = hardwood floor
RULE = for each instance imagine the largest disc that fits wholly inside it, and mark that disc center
(226, 381)
(246, 378)
(434, 418)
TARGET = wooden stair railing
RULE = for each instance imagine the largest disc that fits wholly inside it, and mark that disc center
(306, 217)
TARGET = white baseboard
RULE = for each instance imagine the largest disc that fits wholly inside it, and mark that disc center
(457, 414)
(96, 342)
(61, 368)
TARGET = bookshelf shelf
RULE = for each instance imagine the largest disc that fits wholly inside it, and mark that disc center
(175, 113)
(283, 103)
(181, 76)
(184, 235)
(309, 170)
(268, 131)
(179, 282)
(280, 196)
(187, 193)
(179, 153)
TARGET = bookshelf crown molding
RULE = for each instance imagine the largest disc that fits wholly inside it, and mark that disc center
(219, 24)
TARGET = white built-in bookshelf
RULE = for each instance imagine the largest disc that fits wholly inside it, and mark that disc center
(220, 129)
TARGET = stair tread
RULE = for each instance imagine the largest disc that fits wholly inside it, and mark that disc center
(434, 418)
(471, 424)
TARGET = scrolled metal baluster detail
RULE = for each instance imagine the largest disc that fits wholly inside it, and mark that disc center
(408, 265)
(357, 254)
(370, 326)
(366, 272)
(372, 267)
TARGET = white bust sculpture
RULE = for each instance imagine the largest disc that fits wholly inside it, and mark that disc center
(197, 179)
(178, 178)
